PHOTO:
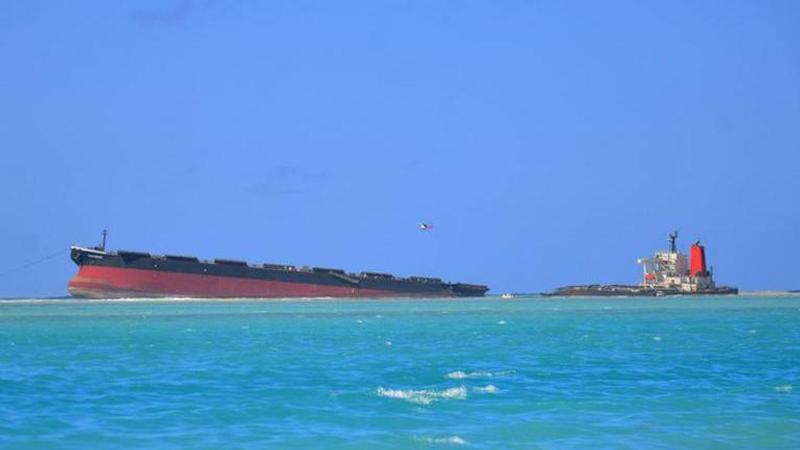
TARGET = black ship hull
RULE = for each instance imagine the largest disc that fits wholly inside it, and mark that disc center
(619, 290)
(135, 274)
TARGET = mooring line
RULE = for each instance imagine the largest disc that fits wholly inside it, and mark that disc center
(32, 263)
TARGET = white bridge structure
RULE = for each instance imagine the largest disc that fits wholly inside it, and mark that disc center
(674, 270)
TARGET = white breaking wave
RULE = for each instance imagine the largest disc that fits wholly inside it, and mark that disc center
(783, 388)
(424, 396)
(488, 389)
(453, 440)
(460, 375)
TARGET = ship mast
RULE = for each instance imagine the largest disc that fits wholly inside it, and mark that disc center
(103, 242)
(672, 237)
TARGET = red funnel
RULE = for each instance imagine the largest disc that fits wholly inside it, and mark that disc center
(697, 263)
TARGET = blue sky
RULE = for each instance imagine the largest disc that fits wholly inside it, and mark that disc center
(550, 142)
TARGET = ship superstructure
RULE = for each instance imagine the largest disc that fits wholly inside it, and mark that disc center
(674, 270)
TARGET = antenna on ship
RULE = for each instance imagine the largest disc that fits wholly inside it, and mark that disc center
(103, 242)
(672, 237)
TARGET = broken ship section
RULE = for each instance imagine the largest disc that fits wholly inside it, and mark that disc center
(666, 273)
(123, 274)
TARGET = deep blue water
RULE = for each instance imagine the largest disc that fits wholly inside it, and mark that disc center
(525, 373)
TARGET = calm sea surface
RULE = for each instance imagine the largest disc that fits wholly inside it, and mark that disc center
(523, 373)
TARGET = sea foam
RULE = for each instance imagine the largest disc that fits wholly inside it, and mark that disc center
(452, 440)
(488, 389)
(424, 396)
(460, 375)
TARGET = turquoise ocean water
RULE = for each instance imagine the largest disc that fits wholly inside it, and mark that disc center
(524, 373)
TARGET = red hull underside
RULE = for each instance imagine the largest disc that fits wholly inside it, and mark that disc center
(114, 282)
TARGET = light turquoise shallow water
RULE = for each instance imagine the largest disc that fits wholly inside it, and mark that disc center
(525, 373)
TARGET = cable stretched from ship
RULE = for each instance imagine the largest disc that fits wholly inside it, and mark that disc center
(32, 263)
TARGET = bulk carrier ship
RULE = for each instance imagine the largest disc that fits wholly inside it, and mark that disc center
(667, 273)
(121, 274)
